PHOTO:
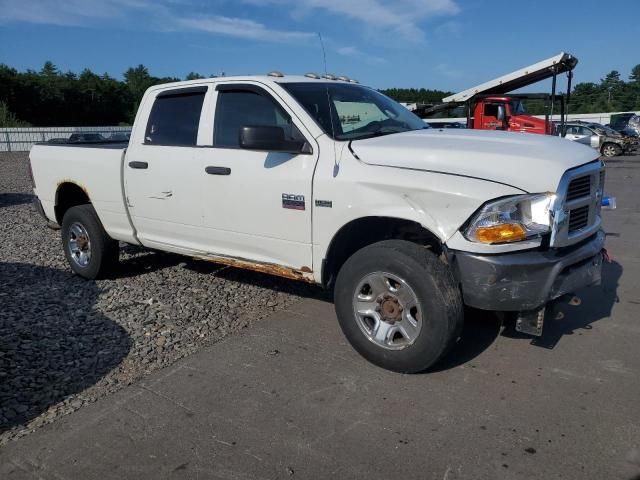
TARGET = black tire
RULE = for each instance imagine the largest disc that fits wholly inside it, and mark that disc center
(434, 288)
(610, 150)
(104, 250)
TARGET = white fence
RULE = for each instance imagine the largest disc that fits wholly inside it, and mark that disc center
(22, 139)
(602, 118)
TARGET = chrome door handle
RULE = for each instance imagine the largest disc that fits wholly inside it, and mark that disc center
(139, 165)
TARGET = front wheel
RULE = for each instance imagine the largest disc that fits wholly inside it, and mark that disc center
(611, 150)
(398, 305)
(87, 247)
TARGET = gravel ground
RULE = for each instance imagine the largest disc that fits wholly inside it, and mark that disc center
(65, 341)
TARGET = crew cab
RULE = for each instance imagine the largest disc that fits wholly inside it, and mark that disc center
(327, 181)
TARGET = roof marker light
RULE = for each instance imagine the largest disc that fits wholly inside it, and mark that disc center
(343, 78)
(328, 76)
(275, 73)
(312, 75)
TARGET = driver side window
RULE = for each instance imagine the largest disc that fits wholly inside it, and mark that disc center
(491, 110)
(242, 108)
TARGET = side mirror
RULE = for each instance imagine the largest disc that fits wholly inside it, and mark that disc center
(270, 139)
(500, 113)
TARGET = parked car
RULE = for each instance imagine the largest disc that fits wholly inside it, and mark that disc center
(625, 122)
(86, 138)
(119, 137)
(606, 140)
(330, 182)
(632, 137)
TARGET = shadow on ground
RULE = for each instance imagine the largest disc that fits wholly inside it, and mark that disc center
(52, 342)
(11, 199)
(480, 330)
(568, 316)
(140, 261)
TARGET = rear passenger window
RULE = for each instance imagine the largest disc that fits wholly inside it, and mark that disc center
(242, 108)
(175, 117)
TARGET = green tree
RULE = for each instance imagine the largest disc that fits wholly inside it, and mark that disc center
(8, 119)
(634, 77)
(193, 76)
(634, 87)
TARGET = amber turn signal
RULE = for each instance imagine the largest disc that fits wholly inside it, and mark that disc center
(507, 232)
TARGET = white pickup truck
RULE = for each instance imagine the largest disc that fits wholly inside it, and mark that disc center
(327, 181)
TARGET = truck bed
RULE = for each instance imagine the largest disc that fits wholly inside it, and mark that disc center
(106, 144)
(96, 169)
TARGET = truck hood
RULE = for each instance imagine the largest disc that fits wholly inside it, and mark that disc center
(533, 163)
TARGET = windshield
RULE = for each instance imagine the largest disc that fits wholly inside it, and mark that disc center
(517, 108)
(352, 112)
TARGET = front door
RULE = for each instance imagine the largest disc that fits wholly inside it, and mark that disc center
(493, 116)
(257, 204)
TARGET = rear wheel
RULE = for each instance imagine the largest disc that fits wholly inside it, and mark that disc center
(611, 150)
(398, 305)
(87, 247)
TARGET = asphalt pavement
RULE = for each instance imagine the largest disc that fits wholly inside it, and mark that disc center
(289, 398)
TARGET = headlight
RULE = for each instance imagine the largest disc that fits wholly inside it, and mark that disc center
(512, 219)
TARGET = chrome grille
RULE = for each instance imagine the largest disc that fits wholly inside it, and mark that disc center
(577, 209)
(578, 218)
(579, 187)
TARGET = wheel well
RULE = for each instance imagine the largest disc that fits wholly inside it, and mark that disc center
(365, 231)
(69, 195)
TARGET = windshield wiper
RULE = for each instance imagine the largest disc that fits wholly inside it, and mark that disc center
(381, 132)
(378, 133)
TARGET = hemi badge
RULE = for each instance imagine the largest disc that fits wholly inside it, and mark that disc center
(324, 203)
(292, 201)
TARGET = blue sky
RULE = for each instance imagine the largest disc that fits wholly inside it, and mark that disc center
(445, 44)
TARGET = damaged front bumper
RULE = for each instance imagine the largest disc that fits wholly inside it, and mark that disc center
(526, 281)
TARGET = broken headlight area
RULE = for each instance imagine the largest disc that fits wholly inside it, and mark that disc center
(512, 219)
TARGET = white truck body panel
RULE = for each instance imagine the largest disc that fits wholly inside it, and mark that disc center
(97, 171)
(437, 179)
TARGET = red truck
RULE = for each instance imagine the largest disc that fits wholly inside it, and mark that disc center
(491, 107)
(500, 112)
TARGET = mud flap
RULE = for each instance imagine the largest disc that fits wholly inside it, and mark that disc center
(531, 322)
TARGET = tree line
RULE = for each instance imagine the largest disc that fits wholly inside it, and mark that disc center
(53, 98)
(50, 97)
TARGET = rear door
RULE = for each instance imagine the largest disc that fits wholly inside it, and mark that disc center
(256, 204)
(161, 171)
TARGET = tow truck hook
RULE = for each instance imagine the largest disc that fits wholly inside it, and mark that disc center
(531, 322)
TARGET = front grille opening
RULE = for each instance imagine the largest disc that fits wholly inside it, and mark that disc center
(578, 218)
(579, 187)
